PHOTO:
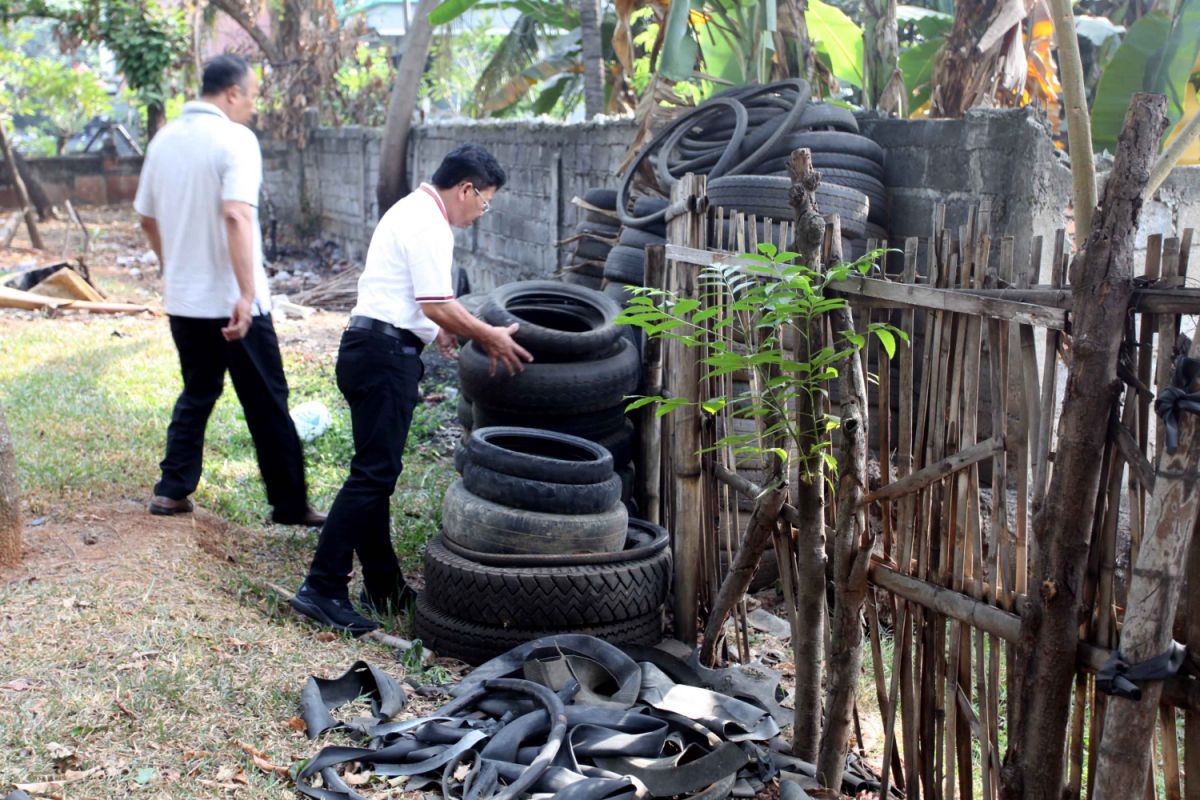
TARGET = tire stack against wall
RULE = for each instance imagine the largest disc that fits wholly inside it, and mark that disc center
(594, 237)
(535, 541)
(583, 368)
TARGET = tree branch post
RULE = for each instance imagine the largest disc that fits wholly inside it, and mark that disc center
(1150, 609)
(1079, 121)
(1103, 289)
(10, 158)
(852, 544)
(808, 536)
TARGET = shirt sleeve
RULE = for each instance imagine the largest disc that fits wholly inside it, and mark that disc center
(431, 265)
(241, 175)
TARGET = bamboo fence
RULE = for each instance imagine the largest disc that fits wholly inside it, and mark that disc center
(963, 424)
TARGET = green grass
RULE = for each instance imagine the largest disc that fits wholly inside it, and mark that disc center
(88, 404)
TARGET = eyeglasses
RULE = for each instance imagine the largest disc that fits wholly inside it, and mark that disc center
(486, 205)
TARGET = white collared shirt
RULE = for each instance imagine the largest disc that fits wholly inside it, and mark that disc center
(193, 164)
(409, 262)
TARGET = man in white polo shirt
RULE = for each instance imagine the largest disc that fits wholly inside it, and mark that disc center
(197, 198)
(405, 301)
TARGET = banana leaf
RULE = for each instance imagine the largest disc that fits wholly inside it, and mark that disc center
(838, 41)
(1156, 55)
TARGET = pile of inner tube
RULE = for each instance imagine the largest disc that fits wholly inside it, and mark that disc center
(571, 717)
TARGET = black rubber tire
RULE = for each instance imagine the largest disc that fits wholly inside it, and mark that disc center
(450, 637)
(539, 455)
(480, 524)
(618, 292)
(644, 539)
(544, 496)
(619, 443)
(555, 319)
(827, 116)
(829, 142)
(602, 230)
(549, 596)
(576, 278)
(588, 426)
(636, 237)
(873, 188)
(460, 456)
(593, 269)
(822, 161)
(553, 388)
(767, 196)
(626, 265)
(726, 157)
(601, 197)
(600, 217)
(588, 249)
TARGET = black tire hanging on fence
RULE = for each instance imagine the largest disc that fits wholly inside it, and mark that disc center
(467, 641)
(544, 496)
(479, 524)
(550, 596)
(539, 455)
(555, 388)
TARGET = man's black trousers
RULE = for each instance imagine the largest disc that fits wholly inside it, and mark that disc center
(256, 369)
(378, 374)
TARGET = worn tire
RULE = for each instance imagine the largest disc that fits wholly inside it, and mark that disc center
(451, 637)
(539, 455)
(636, 237)
(588, 426)
(643, 540)
(544, 496)
(465, 412)
(555, 320)
(471, 521)
(545, 596)
(626, 265)
(554, 388)
(593, 282)
(589, 249)
(767, 196)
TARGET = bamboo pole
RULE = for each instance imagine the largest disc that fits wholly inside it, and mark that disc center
(649, 465)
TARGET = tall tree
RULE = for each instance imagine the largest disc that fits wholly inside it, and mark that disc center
(393, 181)
(593, 57)
(10, 499)
(1102, 287)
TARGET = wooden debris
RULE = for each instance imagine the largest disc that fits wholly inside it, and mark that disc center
(15, 298)
(68, 284)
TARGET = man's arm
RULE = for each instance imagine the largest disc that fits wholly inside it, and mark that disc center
(239, 231)
(497, 342)
(150, 228)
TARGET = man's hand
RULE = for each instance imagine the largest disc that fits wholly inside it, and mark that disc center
(239, 321)
(447, 344)
(501, 348)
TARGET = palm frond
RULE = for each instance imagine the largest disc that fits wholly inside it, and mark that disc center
(517, 52)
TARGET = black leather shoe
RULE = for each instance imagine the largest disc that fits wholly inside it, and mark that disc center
(397, 602)
(332, 612)
(311, 518)
(165, 506)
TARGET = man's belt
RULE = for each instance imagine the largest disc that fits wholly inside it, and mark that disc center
(387, 329)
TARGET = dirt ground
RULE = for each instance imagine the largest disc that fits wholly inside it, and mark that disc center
(92, 573)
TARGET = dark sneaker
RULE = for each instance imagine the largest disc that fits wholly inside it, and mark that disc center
(332, 612)
(395, 603)
(166, 506)
(311, 518)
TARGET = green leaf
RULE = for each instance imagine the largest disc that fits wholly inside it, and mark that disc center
(1156, 55)
(679, 50)
(916, 66)
(642, 401)
(450, 10)
(838, 39)
(713, 405)
(887, 340)
(685, 307)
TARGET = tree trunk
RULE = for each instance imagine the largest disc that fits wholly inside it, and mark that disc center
(809, 541)
(10, 499)
(881, 50)
(156, 117)
(393, 167)
(33, 185)
(852, 546)
(1079, 121)
(10, 158)
(1153, 598)
(960, 69)
(593, 57)
(1045, 657)
(234, 10)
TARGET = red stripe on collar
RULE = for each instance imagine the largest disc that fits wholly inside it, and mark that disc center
(437, 199)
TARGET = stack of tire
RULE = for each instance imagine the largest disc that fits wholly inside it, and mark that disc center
(594, 237)
(535, 541)
(582, 371)
(752, 131)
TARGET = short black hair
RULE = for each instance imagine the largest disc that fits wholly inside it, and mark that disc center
(222, 72)
(469, 162)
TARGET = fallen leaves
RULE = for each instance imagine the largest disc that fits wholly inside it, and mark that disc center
(261, 760)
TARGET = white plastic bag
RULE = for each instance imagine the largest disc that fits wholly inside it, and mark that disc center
(311, 420)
